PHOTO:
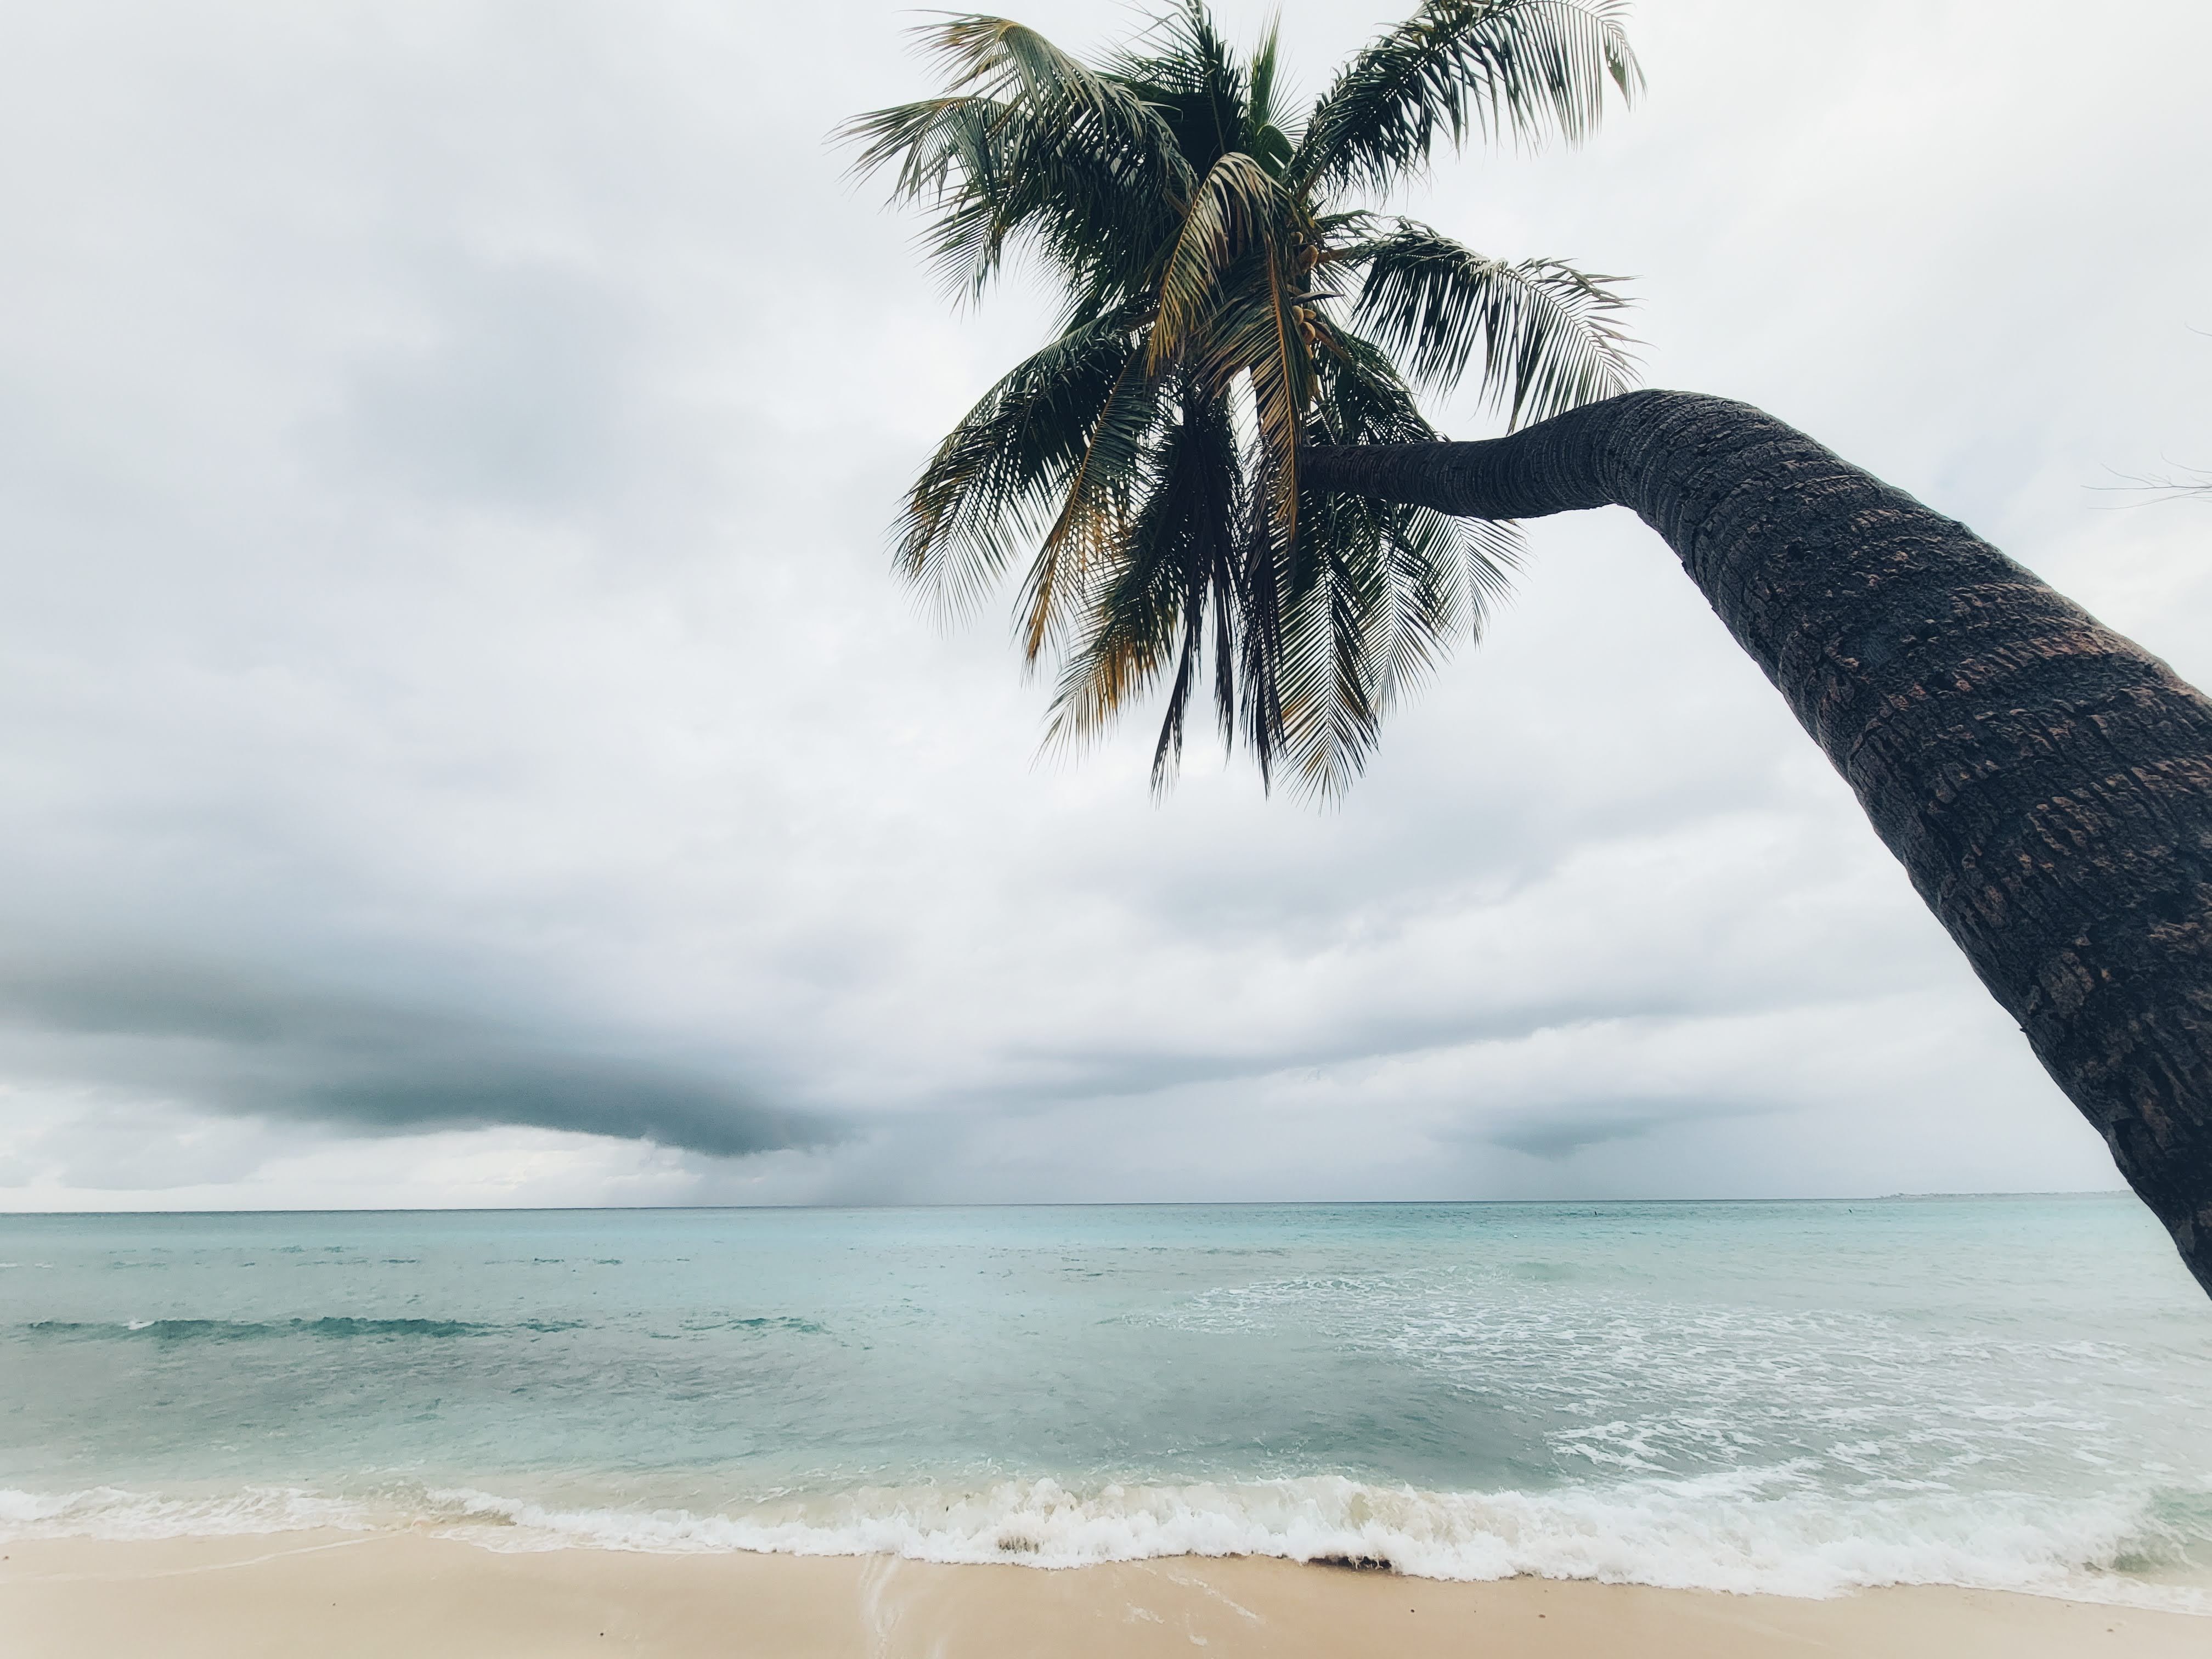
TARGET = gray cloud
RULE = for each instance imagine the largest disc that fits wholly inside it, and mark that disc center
(449, 675)
(1556, 1130)
(218, 1039)
(1562, 1131)
(516, 400)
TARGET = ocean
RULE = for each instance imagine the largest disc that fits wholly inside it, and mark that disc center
(1802, 1398)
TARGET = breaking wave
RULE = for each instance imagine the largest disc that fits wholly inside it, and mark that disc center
(1747, 1532)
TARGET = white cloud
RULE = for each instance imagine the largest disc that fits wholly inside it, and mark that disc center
(447, 453)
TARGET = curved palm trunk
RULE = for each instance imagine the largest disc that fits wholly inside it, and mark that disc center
(2047, 783)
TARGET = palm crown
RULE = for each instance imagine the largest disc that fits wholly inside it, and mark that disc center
(1223, 300)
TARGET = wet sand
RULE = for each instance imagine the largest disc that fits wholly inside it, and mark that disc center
(344, 1594)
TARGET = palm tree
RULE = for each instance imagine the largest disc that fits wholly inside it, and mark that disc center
(1209, 430)
(1224, 299)
(2047, 783)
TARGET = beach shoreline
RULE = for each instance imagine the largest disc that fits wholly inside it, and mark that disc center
(341, 1594)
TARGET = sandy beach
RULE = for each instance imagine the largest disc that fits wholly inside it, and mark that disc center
(340, 1594)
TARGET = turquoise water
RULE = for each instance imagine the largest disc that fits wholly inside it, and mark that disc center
(2012, 1392)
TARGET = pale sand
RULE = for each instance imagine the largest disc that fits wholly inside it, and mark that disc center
(330, 1594)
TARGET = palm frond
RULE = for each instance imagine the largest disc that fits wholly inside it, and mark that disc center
(1329, 716)
(1458, 69)
(1266, 63)
(1263, 570)
(998, 58)
(1009, 60)
(1187, 72)
(1256, 333)
(1376, 591)
(994, 480)
(925, 139)
(1546, 333)
(1237, 206)
(1364, 400)
(1095, 511)
(1382, 593)
(1028, 142)
(1176, 573)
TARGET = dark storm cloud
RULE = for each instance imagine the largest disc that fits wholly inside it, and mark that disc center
(219, 1039)
(1562, 1128)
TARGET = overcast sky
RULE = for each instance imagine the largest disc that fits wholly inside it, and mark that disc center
(463, 743)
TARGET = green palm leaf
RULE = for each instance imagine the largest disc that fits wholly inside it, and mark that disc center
(1463, 68)
(1090, 529)
(1142, 469)
(999, 477)
(1548, 334)
(1151, 606)
(1236, 208)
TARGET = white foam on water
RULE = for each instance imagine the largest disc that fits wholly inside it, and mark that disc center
(117, 1512)
(1741, 1532)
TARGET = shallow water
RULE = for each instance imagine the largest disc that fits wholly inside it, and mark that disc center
(2008, 1392)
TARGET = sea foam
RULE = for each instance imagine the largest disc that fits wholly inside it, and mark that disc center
(1704, 1533)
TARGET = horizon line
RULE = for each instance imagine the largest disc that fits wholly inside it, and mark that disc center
(1066, 1204)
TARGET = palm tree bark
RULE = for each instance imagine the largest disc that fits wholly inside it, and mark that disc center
(2047, 783)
